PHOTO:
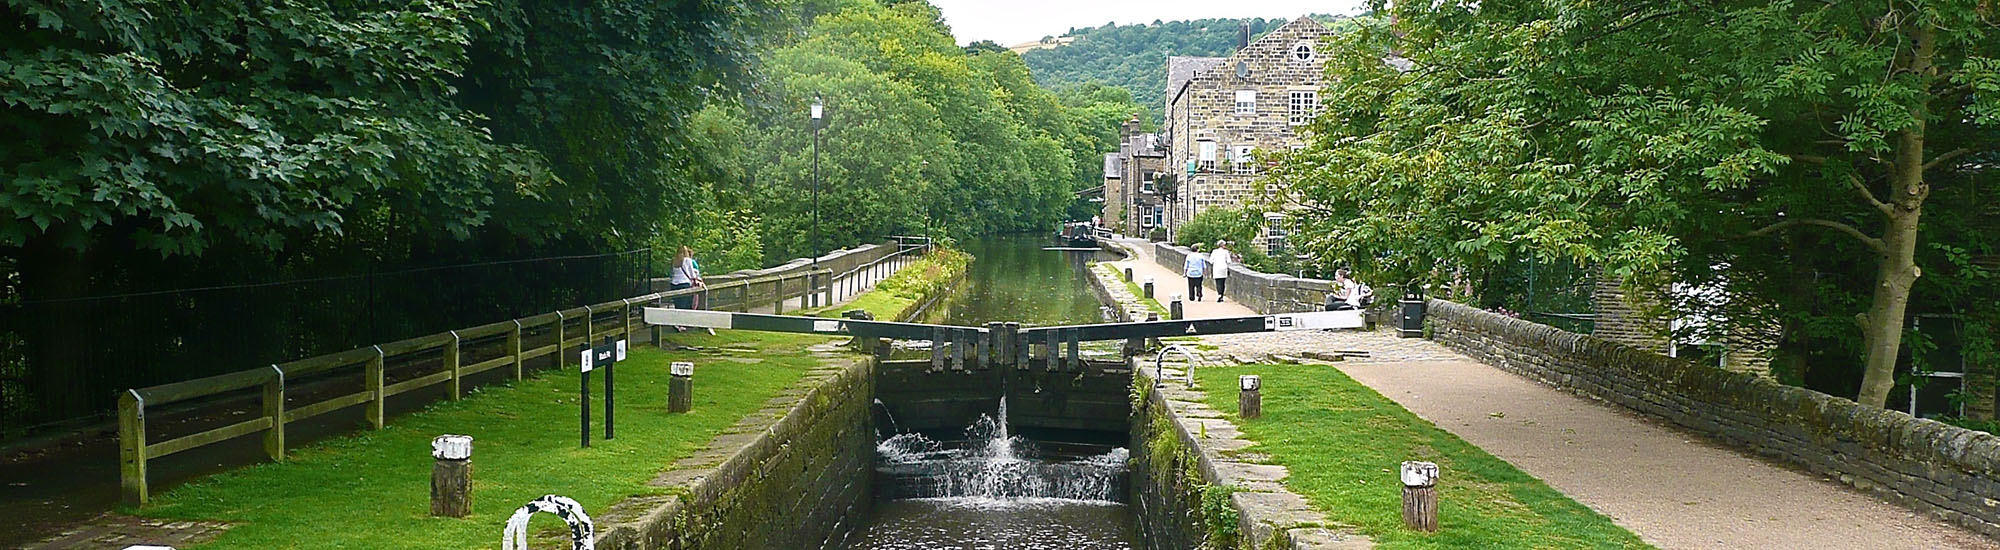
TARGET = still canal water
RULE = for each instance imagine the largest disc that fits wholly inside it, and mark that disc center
(990, 488)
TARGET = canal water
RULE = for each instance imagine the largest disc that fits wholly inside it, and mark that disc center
(991, 488)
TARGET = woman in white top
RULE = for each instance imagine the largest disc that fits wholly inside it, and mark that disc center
(684, 276)
(1219, 265)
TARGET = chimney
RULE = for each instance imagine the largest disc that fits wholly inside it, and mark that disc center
(1131, 126)
(1243, 35)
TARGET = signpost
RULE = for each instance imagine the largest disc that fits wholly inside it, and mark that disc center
(604, 355)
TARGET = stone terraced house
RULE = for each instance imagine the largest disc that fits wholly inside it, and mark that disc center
(1221, 109)
(1132, 205)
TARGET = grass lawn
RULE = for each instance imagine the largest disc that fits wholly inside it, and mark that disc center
(1135, 289)
(1343, 444)
(906, 287)
(371, 490)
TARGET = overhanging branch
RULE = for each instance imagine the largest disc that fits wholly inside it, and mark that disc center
(1873, 243)
(1947, 156)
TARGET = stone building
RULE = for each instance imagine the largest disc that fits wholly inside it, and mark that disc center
(1132, 204)
(1222, 109)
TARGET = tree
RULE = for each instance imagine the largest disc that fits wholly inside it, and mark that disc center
(1671, 143)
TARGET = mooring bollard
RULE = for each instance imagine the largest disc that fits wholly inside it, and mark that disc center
(1420, 504)
(1149, 287)
(582, 533)
(451, 477)
(680, 387)
(1250, 401)
(1128, 273)
(1174, 308)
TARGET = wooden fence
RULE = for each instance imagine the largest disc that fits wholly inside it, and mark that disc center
(562, 330)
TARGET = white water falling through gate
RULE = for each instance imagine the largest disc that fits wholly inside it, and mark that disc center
(994, 464)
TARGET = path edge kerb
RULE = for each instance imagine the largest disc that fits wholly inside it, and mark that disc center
(1947, 471)
(1272, 516)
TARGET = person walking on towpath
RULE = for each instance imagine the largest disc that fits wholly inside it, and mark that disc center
(1219, 264)
(1195, 267)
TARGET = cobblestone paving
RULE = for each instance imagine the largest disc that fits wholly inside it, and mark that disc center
(1380, 346)
(115, 531)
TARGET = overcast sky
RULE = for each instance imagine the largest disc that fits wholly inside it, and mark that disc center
(1015, 21)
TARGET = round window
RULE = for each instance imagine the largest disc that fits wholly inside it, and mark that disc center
(1302, 52)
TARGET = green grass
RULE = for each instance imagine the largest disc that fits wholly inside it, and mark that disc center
(1136, 290)
(1344, 443)
(371, 490)
(908, 286)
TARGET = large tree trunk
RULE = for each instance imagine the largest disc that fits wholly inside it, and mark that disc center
(1882, 330)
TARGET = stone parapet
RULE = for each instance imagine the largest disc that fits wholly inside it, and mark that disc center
(1265, 293)
(795, 474)
(1950, 472)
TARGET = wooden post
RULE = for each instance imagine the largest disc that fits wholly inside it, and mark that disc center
(132, 447)
(589, 326)
(372, 378)
(1149, 287)
(560, 320)
(274, 408)
(1128, 273)
(451, 363)
(514, 348)
(1175, 309)
(451, 476)
(1420, 505)
(778, 296)
(1250, 399)
(625, 322)
(937, 349)
(680, 387)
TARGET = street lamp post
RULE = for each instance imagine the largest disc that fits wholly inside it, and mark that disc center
(818, 119)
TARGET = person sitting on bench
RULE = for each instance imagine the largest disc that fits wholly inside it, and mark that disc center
(1348, 294)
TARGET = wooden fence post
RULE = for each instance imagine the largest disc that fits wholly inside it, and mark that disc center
(589, 326)
(451, 476)
(560, 321)
(372, 377)
(778, 293)
(451, 362)
(274, 407)
(132, 447)
(514, 348)
(625, 321)
(1420, 505)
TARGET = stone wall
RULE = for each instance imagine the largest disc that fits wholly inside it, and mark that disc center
(1948, 471)
(794, 475)
(1265, 293)
(1622, 320)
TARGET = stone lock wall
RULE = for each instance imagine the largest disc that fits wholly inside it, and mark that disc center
(1948, 471)
(794, 475)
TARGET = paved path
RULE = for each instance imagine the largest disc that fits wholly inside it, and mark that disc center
(1672, 488)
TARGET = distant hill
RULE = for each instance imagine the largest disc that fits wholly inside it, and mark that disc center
(1134, 57)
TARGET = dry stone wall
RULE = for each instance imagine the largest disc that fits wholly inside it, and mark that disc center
(1948, 471)
(1266, 293)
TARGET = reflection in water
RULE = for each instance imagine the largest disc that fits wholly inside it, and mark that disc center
(993, 489)
(1012, 279)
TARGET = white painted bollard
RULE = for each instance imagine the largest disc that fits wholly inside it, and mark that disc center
(582, 533)
(1420, 506)
(1174, 310)
(1149, 287)
(451, 476)
(1249, 397)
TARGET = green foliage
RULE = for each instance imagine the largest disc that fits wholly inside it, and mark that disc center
(1741, 147)
(929, 277)
(1134, 57)
(1220, 514)
(1239, 224)
(921, 136)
